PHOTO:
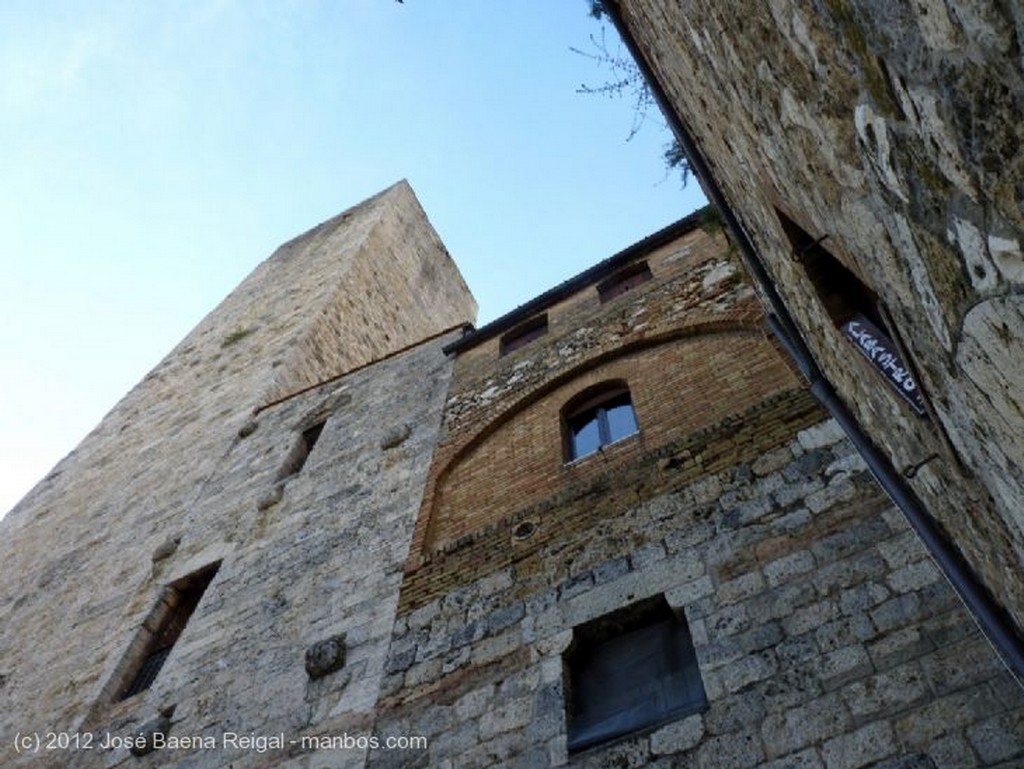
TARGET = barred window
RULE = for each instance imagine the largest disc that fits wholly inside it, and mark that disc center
(176, 607)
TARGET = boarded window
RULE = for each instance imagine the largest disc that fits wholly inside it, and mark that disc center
(176, 607)
(623, 281)
(525, 333)
(629, 670)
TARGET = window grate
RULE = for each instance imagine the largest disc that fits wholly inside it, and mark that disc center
(180, 600)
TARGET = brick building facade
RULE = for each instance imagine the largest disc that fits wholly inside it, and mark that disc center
(608, 529)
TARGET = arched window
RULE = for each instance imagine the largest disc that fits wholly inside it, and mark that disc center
(596, 417)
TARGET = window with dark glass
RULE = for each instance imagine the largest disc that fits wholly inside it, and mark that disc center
(606, 417)
(523, 334)
(629, 670)
(623, 281)
(176, 607)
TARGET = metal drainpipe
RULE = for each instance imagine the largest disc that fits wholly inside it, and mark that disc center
(993, 620)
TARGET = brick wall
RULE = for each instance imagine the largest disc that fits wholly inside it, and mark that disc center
(678, 386)
(689, 344)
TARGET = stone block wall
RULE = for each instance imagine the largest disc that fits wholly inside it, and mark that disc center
(312, 557)
(892, 131)
(825, 636)
(187, 470)
(402, 549)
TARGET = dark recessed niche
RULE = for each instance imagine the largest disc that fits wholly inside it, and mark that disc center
(624, 280)
(523, 530)
(855, 310)
(300, 451)
(629, 670)
(840, 291)
(168, 621)
(524, 333)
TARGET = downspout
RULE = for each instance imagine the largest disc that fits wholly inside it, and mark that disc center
(993, 620)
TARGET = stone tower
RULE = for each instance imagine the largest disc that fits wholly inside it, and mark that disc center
(198, 468)
(338, 527)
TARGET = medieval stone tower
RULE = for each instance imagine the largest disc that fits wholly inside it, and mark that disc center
(339, 527)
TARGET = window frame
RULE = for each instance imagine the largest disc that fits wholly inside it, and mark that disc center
(592, 405)
(163, 629)
(855, 311)
(523, 334)
(601, 709)
(624, 281)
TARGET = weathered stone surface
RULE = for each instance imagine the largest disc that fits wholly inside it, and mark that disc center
(678, 737)
(860, 748)
(179, 461)
(889, 133)
(821, 633)
(325, 656)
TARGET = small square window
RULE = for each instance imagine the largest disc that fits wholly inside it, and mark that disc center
(629, 670)
(599, 422)
(524, 333)
(623, 281)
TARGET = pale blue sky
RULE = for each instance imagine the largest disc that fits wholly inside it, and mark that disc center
(151, 154)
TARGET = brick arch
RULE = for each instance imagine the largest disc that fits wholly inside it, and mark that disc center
(509, 461)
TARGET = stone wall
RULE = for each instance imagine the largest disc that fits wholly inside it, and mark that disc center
(892, 130)
(825, 636)
(181, 474)
(402, 549)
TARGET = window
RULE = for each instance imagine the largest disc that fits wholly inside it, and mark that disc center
(623, 281)
(631, 669)
(598, 417)
(300, 452)
(841, 292)
(524, 333)
(171, 615)
(854, 309)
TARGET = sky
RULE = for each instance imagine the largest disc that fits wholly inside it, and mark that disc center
(152, 154)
